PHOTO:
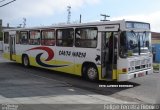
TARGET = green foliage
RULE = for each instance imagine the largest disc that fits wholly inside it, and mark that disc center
(156, 66)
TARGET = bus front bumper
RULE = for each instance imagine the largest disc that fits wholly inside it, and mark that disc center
(128, 76)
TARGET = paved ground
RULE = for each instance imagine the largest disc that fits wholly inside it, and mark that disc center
(19, 85)
(146, 91)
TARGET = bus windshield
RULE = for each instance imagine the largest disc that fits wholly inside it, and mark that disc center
(134, 43)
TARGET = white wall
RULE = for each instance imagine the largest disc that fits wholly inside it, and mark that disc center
(1, 46)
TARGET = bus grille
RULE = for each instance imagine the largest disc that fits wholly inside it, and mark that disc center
(139, 64)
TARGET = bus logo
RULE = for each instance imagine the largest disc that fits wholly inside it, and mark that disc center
(50, 57)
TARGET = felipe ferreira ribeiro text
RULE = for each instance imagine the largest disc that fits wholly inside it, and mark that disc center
(131, 107)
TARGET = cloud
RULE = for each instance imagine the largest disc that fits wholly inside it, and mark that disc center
(39, 8)
(47, 8)
(152, 18)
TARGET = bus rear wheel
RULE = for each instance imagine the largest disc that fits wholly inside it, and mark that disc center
(92, 73)
(25, 61)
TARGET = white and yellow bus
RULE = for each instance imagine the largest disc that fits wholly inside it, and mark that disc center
(110, 50)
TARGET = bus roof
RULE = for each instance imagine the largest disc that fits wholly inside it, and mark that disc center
(70, 25)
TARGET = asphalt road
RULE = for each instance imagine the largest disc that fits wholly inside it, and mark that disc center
(143, 90)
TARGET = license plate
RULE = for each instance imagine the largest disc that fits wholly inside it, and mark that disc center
(140, 74)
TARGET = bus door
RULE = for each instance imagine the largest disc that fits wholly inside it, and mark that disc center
(109, 46)
(12, 36)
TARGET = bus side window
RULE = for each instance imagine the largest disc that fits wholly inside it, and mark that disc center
(48, 37)
(65, 37)
(86, 37)
(24, 37)
(34, 38)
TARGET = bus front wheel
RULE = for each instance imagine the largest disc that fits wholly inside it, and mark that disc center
(25, 61)
(92, 73)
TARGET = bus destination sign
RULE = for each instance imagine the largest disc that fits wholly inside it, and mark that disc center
(137, 25)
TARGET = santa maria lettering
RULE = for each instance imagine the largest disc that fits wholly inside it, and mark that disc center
(65, 53)
(73, 54)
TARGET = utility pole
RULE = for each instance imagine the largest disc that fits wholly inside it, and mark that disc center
(80, 18)
(24, 22)
(105, 17)
(69, 14)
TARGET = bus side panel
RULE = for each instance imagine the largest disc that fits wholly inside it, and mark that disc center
(6, 53)
(59, 61)
(20, 50)
(64, 59)
(87, 55)
(6, 50)
(88, 52)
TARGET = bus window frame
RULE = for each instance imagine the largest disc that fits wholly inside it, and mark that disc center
(54, 40)
(87, 39)
(57, 44)
(39, 39)
(27, 38)
(18, 37)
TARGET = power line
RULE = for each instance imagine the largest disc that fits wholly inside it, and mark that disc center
(7, 3)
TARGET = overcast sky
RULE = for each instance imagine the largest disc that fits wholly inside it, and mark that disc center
(48, 12)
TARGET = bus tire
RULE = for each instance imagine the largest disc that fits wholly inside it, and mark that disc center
(25, 61)
(92, 73)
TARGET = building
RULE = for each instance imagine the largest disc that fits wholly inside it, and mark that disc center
(3, 27)
(155, 38)
(156, 47)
